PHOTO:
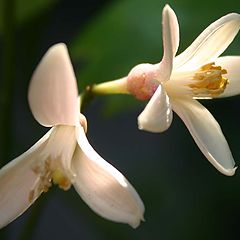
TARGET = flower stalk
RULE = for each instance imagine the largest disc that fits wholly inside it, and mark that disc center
(118, 86)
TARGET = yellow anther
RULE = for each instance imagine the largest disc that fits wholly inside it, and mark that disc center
(208, 81)
(59, 178)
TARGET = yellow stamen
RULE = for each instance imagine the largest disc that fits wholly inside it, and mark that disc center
(46, 177)
(59, 178)
(208, 81)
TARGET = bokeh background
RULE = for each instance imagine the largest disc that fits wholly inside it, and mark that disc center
(184, 196)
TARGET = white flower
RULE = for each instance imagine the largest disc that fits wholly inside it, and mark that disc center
(63, 155)
(197, 73)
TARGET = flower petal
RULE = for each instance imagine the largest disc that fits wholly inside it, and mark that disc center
(170, 42)
(206, 132)
(232, 65)
(17, 180)
(53, 89)
(104, 188)
(60, 148)
(157, 115)
(210, 44)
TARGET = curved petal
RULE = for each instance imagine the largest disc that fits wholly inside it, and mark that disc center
(170, 42)
(53, 90)
(232, 65)
(157, 115)
(210, 44)
(207, 134)
(17, 182)
(104, 188)
(60, 148)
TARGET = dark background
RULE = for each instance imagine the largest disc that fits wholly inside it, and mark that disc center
(184, 196)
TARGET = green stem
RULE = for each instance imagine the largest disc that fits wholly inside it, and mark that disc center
(8, 13)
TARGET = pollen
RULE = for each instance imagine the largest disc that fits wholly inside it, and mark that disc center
(46, 176)
(59, 178)
(44, 183)
(209, 81)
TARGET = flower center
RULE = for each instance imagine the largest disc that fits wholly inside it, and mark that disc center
(59, 178)
(209, 81)
(47, 176)
(54, 163)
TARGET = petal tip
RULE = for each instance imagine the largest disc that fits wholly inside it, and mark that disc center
(234, 15)
(141, 122)
(229, 172)
(168, 10)
(58, 47)
(136, 224)
(137, 221)
(167, 7)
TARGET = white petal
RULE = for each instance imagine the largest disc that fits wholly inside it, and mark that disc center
(17, 180)
(60, 148)
(170, 42)
(210, 44)
(53, 89)
(232, 65)
(157, 115)
(104, 188)
(207, 134)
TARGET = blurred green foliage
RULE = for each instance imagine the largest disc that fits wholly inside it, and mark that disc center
(27, 9)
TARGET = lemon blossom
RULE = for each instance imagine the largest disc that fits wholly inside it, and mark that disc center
(175, 83)
(197, 73)
(63, 155)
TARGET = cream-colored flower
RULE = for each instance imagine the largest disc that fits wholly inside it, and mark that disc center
(63, 155)
(176, 82)
(197, 73)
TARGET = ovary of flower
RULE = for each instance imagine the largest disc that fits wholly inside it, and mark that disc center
(176, 82)
(63, 156)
